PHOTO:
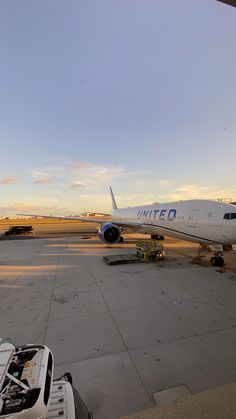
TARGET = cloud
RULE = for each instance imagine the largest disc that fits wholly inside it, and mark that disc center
(165, 182)
(48, 172)
(39, 173)
(29, 207)
(105, 175)
(194, 191)
(9, 180)
(52, 174)
(143, 181)
(81, 166)
(92, 175)
(42, 181)
(77, 184)
(59, 160)
(136, 187)
(96, 171)
(24, 206)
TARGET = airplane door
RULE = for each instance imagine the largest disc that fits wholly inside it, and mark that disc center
(192, 218)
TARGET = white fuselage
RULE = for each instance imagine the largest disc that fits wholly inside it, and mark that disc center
(201, 221)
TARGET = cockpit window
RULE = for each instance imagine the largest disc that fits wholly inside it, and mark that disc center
(230, 216)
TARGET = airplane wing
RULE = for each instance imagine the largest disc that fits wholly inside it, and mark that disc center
(58, 217)
(127, 224)
(107, 218)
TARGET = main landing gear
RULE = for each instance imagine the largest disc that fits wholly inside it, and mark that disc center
(217, 250)
(157, 237)
(217, 261)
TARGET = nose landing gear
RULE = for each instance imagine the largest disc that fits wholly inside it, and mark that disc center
(216, 249)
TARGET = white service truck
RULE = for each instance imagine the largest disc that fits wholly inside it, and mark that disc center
(27, 388)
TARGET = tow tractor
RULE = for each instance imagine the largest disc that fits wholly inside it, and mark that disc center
(216, 249)
(16, 230)
(150, 249)
(27, 388)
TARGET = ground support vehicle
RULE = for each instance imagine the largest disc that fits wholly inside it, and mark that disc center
(27, 389)
(149, 249)
(19, 230)
(216, 249)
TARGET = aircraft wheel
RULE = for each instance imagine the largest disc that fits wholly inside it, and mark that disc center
(217, 261)
(157, 237)
(213, 261)
(121, 239)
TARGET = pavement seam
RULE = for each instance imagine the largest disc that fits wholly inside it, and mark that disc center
(124, 343)
(52, 295)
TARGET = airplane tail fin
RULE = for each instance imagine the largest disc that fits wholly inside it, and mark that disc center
(114, 206)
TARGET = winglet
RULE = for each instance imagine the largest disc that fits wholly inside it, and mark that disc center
(114, 206)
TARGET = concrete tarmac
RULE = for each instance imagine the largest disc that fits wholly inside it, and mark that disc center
(125, 332)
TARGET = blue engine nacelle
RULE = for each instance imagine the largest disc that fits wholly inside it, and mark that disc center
(109, 233)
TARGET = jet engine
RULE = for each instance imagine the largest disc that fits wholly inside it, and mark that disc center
(109, 233)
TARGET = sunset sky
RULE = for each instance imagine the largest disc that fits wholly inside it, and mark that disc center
(137, 94)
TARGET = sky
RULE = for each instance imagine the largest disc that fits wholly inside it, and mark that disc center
(137, 94)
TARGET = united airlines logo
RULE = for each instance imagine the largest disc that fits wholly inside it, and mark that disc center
(160, 215)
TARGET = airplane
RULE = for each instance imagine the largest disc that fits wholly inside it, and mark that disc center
(207, 222)
(230, 2)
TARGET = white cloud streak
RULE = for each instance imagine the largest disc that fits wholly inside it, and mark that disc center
(42, 181)
(8, 180)
(77, 184)
(81, 166)
(83, 186)
(90, 175)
